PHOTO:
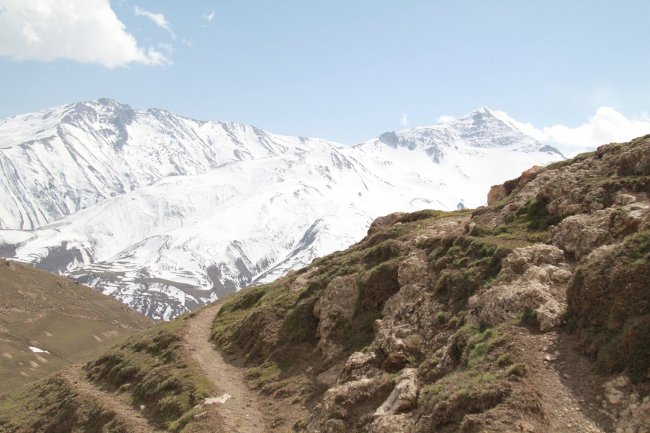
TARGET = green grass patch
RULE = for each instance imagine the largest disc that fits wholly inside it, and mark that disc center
(153, 368)
(50, 405)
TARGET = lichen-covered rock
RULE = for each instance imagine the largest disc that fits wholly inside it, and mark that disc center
(412, 270)
(631, 413)
(404, 395)
(581, 234)
(336, 305)
(359, 360)
(635, 418)
(399, 423)
(532, 278)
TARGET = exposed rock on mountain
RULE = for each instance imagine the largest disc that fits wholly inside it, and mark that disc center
(167, 213)
(507, 318)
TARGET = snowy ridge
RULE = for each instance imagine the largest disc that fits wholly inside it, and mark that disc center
(167, 213)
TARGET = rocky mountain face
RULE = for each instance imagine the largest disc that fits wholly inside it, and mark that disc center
(167, 213)
(531, 314)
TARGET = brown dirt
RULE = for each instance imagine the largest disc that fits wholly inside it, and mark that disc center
(567, 382)
(241, 412)
(130, 417)
(248, 410)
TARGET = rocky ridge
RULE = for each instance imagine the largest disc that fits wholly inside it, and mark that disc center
(474, 321)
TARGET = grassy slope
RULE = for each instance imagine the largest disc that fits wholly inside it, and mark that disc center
(154, 370)
(150, 369)
(50, 405)
(71, 321)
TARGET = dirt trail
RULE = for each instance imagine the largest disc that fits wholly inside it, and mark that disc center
(567, 382)
(240, 410)
(130, 417)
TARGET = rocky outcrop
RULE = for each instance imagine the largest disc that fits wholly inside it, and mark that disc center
(337, 305)
(532, 279)
(630, 411)
(582, 233)
(440, 322)
(384, 221)
(500, 192)
(404, 395)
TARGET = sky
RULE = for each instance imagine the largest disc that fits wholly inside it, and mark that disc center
(574, 73)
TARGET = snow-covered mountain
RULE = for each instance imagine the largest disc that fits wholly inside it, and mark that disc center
(167, 213)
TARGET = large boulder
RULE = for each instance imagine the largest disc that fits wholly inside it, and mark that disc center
(404, 395)
(580, 234)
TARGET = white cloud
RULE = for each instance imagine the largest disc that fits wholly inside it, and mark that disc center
(606, 126)
(404, 121)
(209, 17)
(156, 18)
(86, 31)
(446, 119)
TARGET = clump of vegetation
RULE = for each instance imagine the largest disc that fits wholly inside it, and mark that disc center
(464, 266)
(529, 318)
(154, 370)
(265, 374)
(442, 317)
(51, 405)
(611, 311)
(504, 360)
(518, 370)
(480, 345)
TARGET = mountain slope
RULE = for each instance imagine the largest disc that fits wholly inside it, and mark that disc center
(172, 213)
(64, 159)
(48, 322)
(530, 314)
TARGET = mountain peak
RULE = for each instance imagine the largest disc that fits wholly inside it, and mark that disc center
(484, 111)
(482, 128)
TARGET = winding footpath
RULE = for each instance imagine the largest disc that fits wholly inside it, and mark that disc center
(236, 403)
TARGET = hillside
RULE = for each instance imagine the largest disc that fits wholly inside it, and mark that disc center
(167, 213)
(529, 315)
(48, 322)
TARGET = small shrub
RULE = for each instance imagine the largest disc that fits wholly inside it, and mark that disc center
(517, 370)
(504, 360)
(529, 318)
(442, 318)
